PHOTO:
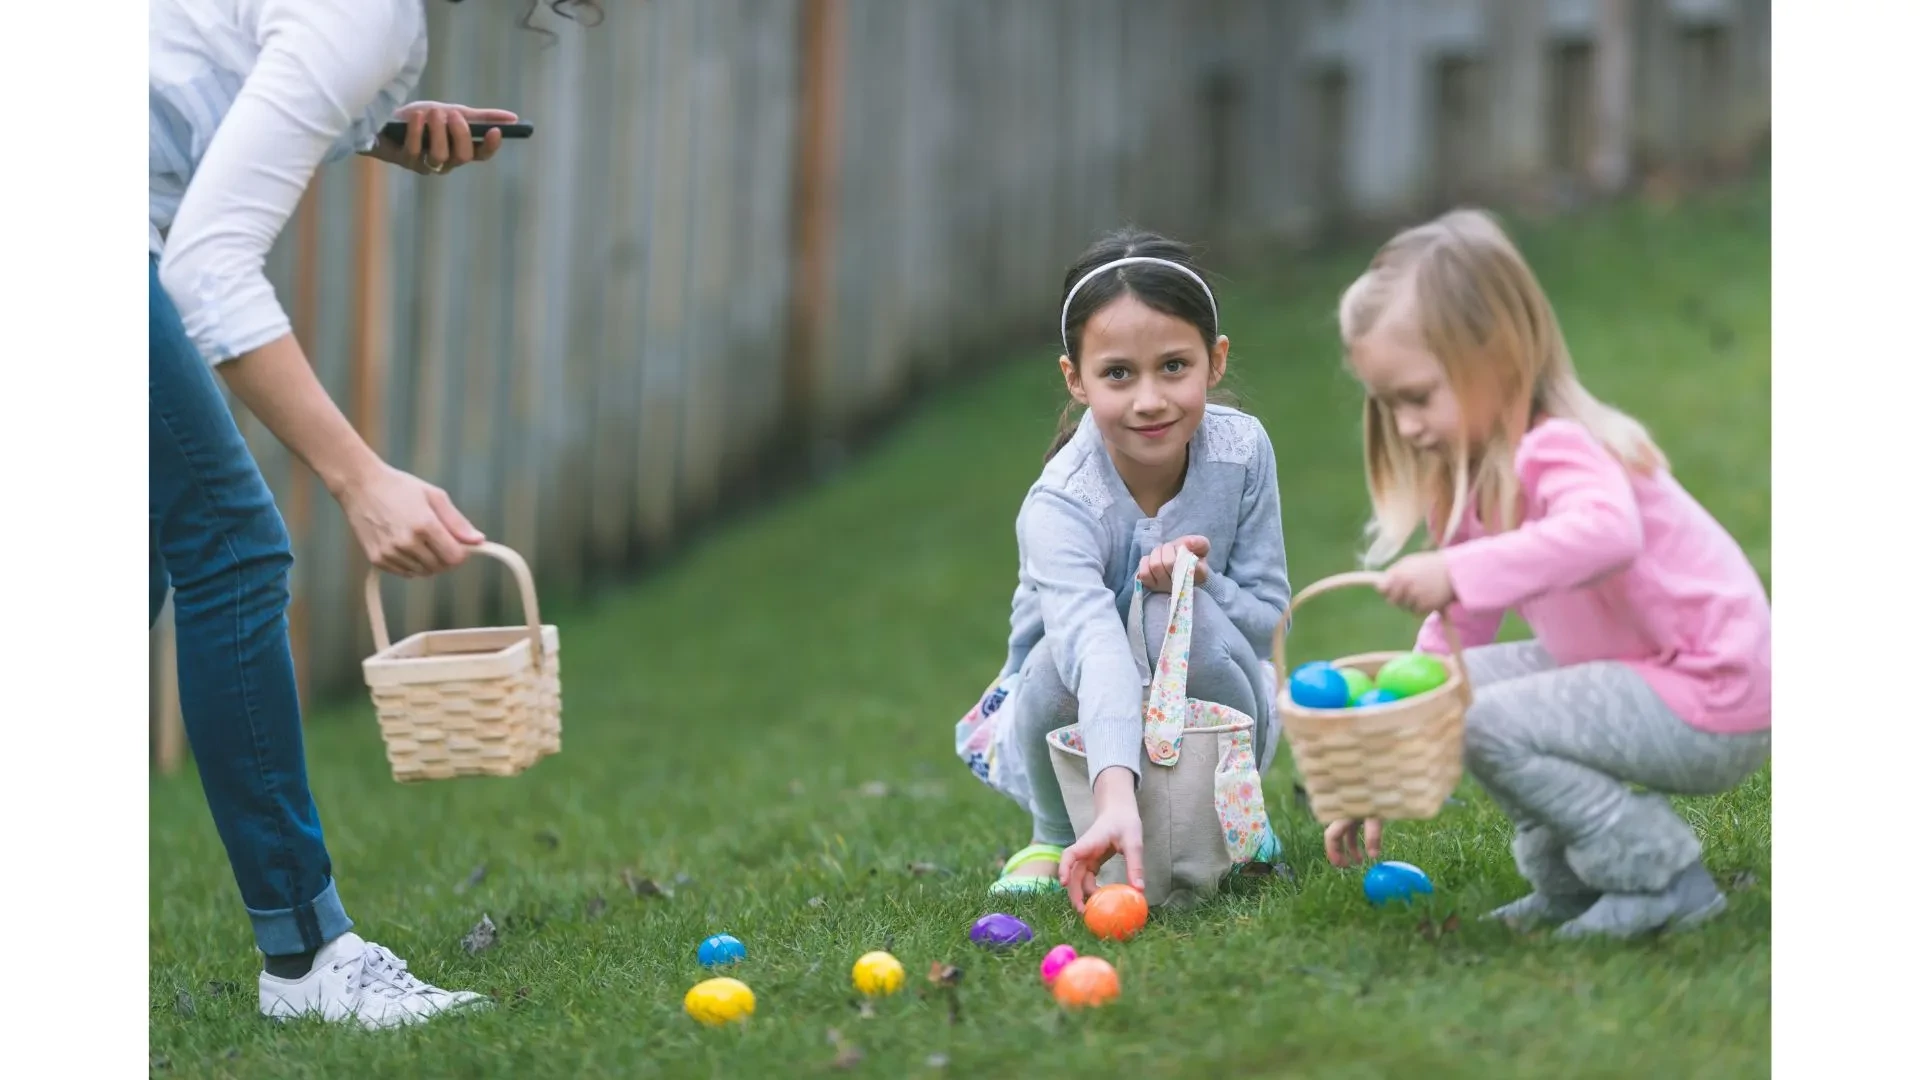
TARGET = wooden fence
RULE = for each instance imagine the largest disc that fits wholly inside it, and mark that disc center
(745, 224)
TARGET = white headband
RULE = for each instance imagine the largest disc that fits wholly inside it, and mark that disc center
(1089, 276)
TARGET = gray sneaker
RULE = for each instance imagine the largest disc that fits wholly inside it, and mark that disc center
(1535, 909)
(1691, 899)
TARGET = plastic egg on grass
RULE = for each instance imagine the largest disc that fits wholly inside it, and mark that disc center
(1389, 881)
(1411, 674)
(878, 974)
(1057, 958)
(1087, 983)
(721, 949)
(719, 1001)
(1116, 912)
(1318, 685)
(999, 931)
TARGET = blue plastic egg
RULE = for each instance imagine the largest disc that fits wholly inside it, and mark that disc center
(1395, 881)
(722, 949)
(1318, 685)
(1376, 696)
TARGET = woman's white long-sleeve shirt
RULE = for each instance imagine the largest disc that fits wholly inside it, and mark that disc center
(245, 100)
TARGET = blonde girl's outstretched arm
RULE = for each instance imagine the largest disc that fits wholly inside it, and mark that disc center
(1475, 628)
(1589, 526)
(1256, 595)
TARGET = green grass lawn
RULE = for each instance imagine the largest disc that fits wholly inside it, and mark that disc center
(765, 729)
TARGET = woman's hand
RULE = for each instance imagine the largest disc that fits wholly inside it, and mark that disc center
(440, 138)
(1343, 842)
(1115, 831)
(1156, 567)
(1419, 583)
(405, 525)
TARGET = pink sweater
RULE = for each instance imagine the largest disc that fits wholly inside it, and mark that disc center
(1612, 565)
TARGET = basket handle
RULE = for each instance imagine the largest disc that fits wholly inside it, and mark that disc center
(376, 612)
(1370, 579)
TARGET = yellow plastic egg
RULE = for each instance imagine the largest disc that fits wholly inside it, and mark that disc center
(878, 974)
(719, 1001)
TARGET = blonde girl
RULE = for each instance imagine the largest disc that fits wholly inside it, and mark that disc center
(1651, 662)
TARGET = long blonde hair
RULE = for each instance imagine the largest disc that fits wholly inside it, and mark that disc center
(1477, 306)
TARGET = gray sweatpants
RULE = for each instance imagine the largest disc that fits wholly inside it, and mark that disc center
(1556, 748)
(1221, 666)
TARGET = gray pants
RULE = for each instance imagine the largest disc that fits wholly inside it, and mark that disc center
(1557, 747)
(1221, 666)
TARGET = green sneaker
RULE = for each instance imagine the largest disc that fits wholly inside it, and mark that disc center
(1027, 884)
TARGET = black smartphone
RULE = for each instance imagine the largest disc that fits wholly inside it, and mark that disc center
(396, 130)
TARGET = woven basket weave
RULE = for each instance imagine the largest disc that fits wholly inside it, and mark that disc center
(1398, 761)
(479, 702)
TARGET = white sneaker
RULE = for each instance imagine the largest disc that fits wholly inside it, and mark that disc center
(356, 980)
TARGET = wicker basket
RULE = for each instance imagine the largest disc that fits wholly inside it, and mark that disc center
(1398, 761)
(481, 702)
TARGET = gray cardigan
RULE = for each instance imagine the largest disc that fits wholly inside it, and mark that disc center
(1081, 537)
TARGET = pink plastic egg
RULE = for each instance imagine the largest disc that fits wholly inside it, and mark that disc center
(1057, 957)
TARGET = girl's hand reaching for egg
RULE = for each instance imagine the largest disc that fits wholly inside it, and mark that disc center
(1343, 842)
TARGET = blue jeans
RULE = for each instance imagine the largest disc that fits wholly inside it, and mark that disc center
(216, 537)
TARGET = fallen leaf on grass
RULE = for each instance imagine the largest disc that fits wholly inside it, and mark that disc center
(640, 886)
(1742, 881)
(216, 988)
(480, 938)
(183, 1003)
(848, 1054)
(478, 875)
(920, 869)
(946, 980)
(1434, 933)
(596, 907)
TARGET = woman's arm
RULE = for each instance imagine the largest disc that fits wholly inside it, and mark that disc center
(405, 525)
(321, 62)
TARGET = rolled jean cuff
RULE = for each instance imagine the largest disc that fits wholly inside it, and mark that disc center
(302, 929)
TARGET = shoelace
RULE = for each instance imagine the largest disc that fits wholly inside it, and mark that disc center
(377, 969)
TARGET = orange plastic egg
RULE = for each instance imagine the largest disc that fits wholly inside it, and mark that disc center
(1116, 912)
(1087, 983)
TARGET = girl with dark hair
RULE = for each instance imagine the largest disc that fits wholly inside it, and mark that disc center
(246, 98)
(1148, 468)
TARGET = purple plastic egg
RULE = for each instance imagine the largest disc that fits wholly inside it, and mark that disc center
(999, 931)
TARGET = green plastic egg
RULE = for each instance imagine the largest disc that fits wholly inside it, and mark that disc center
(1357, 683)
(1411, 674)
